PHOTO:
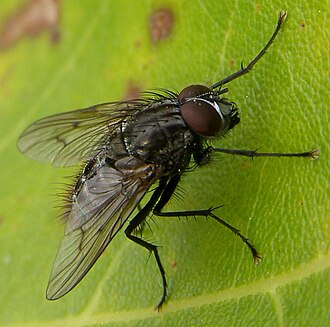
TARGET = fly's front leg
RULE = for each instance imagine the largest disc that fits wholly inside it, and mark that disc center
(313, 154)
(134, 225)
(245, 70)
(166, 195)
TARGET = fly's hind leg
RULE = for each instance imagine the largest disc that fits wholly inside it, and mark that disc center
(134, 225)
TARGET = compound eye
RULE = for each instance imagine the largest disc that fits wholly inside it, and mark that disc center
(200, 115)
(193, 91)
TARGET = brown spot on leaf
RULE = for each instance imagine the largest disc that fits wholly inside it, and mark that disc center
(34, 17)
(160, 24)
(137, 44)
(244, 165)
(1, 219)
(132, 91)
(4, 78)
(231, 62)
(302, 25)
(257, 7)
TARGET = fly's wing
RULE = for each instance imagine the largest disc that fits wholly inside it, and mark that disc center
(100, 209)
(69, 138)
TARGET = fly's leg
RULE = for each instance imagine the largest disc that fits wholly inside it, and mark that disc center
(245, 70)
(136, 222)
(166, 195)
(209, 213)
(313, 154)
(139, 229)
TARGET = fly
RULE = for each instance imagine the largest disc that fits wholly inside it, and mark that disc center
(128, 147)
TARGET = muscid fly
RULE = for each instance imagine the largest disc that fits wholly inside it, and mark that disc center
(129, 147)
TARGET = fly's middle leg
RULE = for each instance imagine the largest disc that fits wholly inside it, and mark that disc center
(209, 213)
(166, 195)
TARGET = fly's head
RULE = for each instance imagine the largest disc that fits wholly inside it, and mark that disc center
(205, 112)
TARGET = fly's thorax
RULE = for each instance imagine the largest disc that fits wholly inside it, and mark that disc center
(114, 145)
(159, 135)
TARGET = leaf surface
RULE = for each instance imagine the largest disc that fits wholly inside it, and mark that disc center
(104, 53)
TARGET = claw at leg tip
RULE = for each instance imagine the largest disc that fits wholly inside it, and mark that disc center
(314, 154)
(257, 259)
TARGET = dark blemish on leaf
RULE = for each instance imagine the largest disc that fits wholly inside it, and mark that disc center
(174, 264)
(244, 165)
(231, 62)
(257, 7)
(137, 44)
(160, 24)
(34, 17)
(4, 78)
(132, 91)
(302, 25)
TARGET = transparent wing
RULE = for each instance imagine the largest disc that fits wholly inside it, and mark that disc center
(68, 138)
(101, 208)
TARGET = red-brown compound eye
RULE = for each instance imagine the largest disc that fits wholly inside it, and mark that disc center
(192, 91)
(199, 113)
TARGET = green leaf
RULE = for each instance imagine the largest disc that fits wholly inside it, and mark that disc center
(282, 205)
